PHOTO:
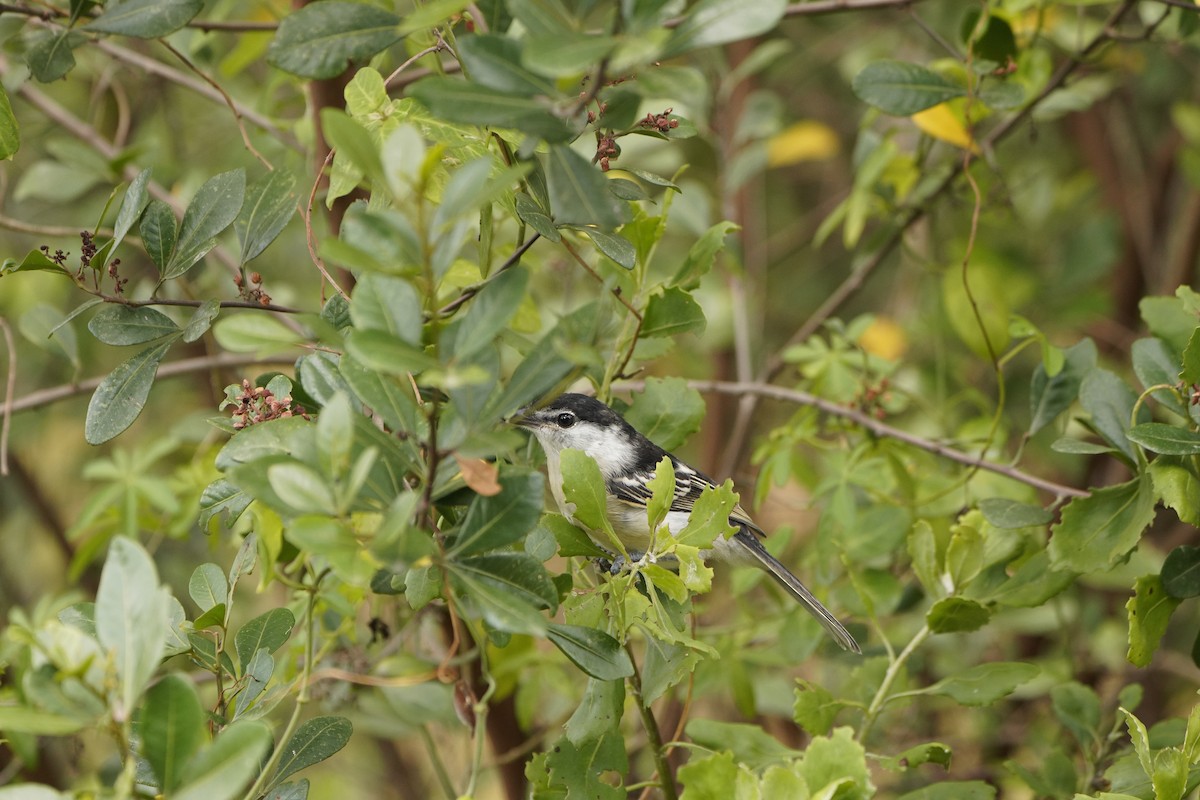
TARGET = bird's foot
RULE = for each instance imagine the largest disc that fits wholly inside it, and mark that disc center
(622, 563)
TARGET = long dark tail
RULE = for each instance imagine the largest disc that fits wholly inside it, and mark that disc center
(796, 589)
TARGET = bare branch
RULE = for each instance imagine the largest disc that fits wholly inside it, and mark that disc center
(44, 397)
(874, 426)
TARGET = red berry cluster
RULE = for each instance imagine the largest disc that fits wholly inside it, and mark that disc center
(257, 404)
(252, 290)
(607, 149)
(660, 122)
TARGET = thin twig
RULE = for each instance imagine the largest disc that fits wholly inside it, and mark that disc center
(873, 425)
(232, 106)
(44, 397)
(665, 779)
(57, 231)
(471, 291)
(161, 301)
(437, 47)
(156, 67)
(10, 386)
(310, 235)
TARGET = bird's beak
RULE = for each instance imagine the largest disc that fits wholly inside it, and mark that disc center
(523, 419)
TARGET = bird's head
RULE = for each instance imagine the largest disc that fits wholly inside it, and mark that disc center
(578, 422)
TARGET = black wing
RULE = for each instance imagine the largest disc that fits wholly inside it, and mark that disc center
(633, 488)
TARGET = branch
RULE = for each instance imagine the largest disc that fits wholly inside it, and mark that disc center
(161, 301)
(874, 426)
(91, 137)
(853, 282)
(471, 291)
(200, 87)
(44, 397)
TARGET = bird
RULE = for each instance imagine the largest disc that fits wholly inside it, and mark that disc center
(627, 461)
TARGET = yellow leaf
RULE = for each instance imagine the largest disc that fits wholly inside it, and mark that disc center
(941, 123)
(884, 338)
(803, 141)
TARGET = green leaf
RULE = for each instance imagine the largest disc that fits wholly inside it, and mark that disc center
(510, 590)
(579, 192)
(255, 333)
(387, 353)
(202, 319)
(212, 210)
(923, 551)
(314, 741)
(269, 205)
(267, 631)
(171, 728)
(1176, 483)
(34, 261)
(223, 770)
(1158, 437)
(495, 62)
(1007, 514)
(927, 753)
(836, 766)
(159, 231)
(709, 519)
(145, 19)
(502, 519)
(386, 303)
(599, 712)
(22, 719)
(566, 55)
(902, 89)
(10, 132)
(457, 100)
(667, 411)
(1149, 610)
(120, 325)
(120, 397)
(490, 312)
(1078, 709)
(592, 650)
(750, 744)
(714, 776)
(302, 488)
(815, 708)
(580, 767)
(1190, 372)
(1181, 572)
(389, 397)
(319, 40)
(583, 487)
(131, 619)
(672, 313)
(1097, 531)
(952, 790)
(984, 684)
(1033, 583)
(665, 665)
(714, 22)
(49, 54)
(957, 615)
(131, 207)
(702, 254)
(616, 247)
(208, 587)
(662, 493)
(1156, 364)
(352, 141)
(1110, 402)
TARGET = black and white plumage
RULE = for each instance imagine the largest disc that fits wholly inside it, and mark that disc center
(627, 461)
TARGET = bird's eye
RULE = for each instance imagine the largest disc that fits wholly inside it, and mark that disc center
(565, 419)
